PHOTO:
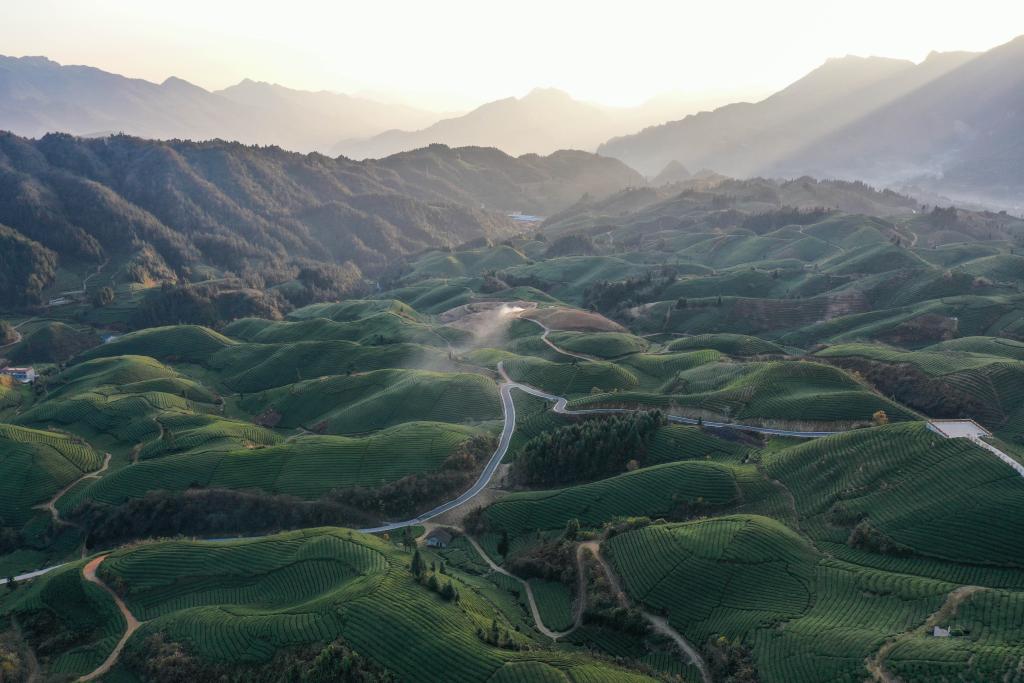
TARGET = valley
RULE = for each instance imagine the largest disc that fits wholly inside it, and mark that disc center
(691, 439)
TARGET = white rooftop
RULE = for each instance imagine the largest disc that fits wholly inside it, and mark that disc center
(968, 429)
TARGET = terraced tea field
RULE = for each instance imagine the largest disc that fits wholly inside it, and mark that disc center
(794, 521)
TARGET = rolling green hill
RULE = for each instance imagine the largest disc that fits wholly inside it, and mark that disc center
(924, 504)
(277, 594)
(378, 399)
(784, 391)
(307, 466)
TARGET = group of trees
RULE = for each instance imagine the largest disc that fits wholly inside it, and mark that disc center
(552, 561)
(866, 536)
(570, 245)
(428, 577)
(934, 396)
(8, 335)
(211, 305)
(586, 450)
(201, 511)
(602, 605)
(611, 298)
(204, 512)
(730, 661)
(780, 218)
(160, 660)
(26, 268)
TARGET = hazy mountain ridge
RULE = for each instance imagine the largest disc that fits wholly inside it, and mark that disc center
(543, 121)
(39, 96)
(950, 123)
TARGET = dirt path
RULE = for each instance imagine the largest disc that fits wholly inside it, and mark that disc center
(51, 505)
(876, 665)
(558, 349)
(534, 611)
(133, 457)
(85, 282)
(658, 623)
(131, 623)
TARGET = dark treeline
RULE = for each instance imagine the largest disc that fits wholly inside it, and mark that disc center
(611, 298)
(159, 660)
(211, 512)
(932, 396)
(602, 605)
(587, 450)
(570, 245)
(207, 512)
(730, 660)
(8, 334)
(552, 561)
(26, 267)
(208, 305)
(780, 218)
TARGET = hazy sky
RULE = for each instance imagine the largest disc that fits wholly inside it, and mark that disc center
(455, 53)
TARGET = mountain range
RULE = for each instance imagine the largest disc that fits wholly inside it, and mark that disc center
(39, 96)
(951, 124)
(543, 121)
(186, 205)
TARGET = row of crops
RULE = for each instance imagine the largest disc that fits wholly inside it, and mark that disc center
(382, 398)
(944, 499)
(650, 491)
(35, 465)
(307, 466)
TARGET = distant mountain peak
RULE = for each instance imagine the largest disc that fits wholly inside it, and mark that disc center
(180, 84)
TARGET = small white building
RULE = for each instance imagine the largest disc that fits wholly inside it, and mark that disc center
(940, 632)
(23, 375)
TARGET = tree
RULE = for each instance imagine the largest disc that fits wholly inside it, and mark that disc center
(8, 335)
(572, 529)
(417, 566)
(103, 297)
(503, 544)
(880, 418)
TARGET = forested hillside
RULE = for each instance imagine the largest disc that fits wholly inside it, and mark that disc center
(171, 207)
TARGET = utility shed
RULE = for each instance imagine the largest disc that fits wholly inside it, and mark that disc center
(439, 538)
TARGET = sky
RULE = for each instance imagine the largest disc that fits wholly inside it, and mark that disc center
(455, 54)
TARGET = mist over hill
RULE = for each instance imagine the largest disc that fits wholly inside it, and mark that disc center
(950, 124)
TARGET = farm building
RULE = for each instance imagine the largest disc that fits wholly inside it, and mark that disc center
(439, 538)
(23, 375)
